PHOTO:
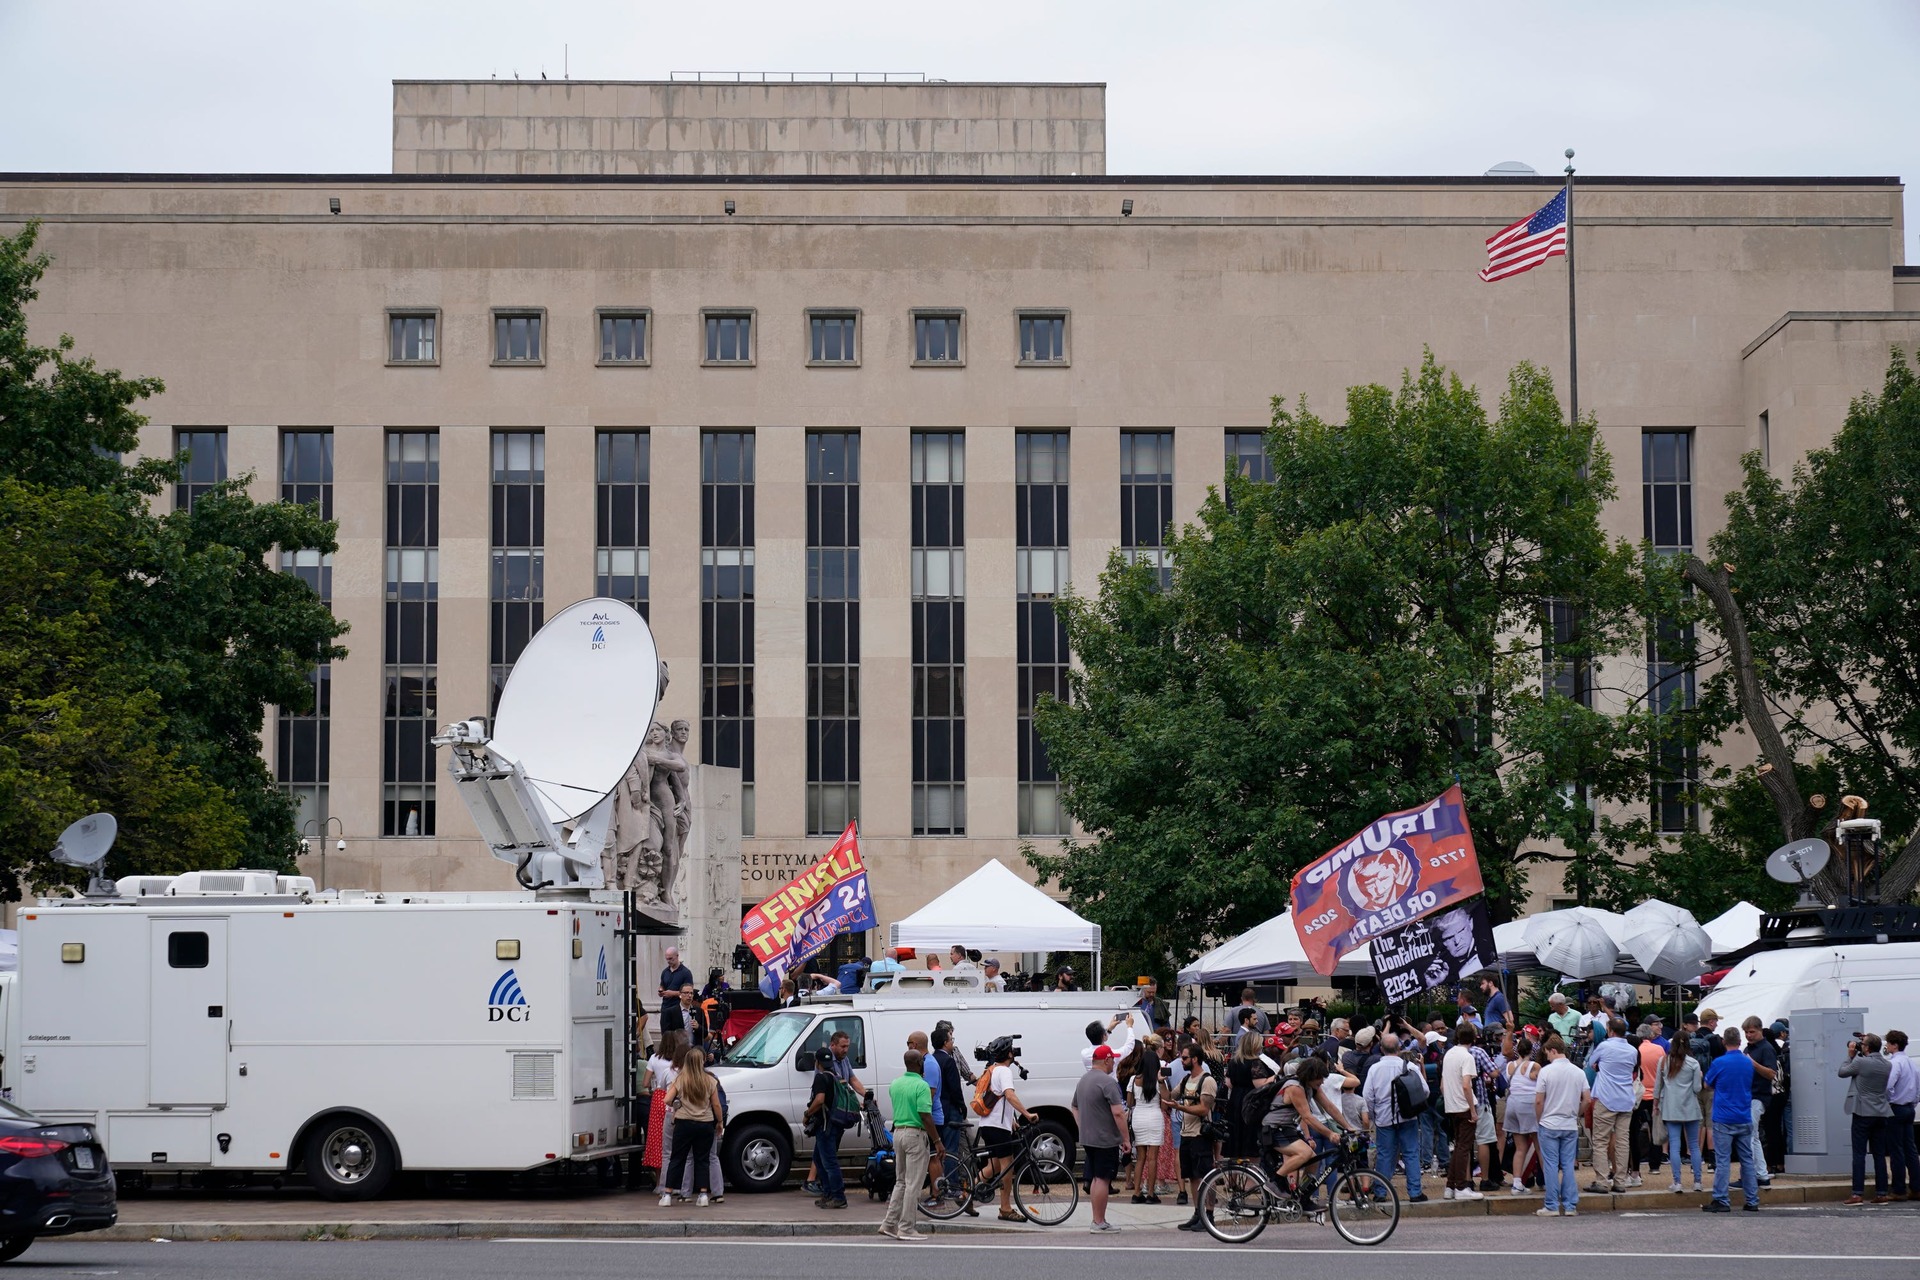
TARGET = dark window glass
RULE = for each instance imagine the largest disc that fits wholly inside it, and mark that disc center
(623, 517)
(202, 458)
(1043, 339)
(1040, 571)
(623, 339)
(726, 609)
(833, 631)
(188, 950)
(729, 339)
(1666, 461)
(410, 338)
(1247, 456)
(831, 339)
(410, 673)
(516, 338)
(936, 339)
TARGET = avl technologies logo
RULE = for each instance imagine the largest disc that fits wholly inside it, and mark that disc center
(599, 622)
(508, 1003)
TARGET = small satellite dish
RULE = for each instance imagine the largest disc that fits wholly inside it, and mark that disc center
(1798, 862)
(86, 842)
(578, 704)
(1513, 169)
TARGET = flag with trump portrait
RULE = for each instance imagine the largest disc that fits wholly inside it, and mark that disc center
(800, 920)
(1403, 866)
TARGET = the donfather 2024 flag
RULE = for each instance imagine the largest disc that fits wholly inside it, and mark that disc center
(1529, 242)
(1405, 865)
(796, 923)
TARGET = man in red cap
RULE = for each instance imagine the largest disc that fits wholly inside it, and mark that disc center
(1100, 1114)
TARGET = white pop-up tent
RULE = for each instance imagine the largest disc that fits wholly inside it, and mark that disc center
(995, 910)
(1736, 927)
(1269, 952)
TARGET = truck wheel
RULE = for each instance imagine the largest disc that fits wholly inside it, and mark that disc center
(349, 1158)
(12, 1247)
(1053, 1140)
(757, 1157)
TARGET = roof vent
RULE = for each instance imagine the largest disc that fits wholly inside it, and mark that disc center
(250, 883)
(1513, 169)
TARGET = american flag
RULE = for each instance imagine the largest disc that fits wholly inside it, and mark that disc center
(1529, 242)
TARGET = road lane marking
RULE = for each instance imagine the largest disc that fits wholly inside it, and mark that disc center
(930, 1243)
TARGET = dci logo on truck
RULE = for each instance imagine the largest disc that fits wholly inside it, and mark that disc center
(507, 1003)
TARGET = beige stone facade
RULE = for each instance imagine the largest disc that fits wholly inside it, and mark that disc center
(265, 312)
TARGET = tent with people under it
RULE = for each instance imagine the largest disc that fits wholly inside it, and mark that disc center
(995, 910)
(1269, 952)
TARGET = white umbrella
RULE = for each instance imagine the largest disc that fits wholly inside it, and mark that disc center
(1574, 943)
(1667, 941)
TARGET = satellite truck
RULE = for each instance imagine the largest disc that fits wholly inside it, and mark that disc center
(242, 1022)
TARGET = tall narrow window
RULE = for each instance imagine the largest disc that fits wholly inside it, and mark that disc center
(202, 455)
(939, 586)
(302, 755)
(1667, 498)
(1247, 456)
(1040, 571)
(1565, 668)
(1766, 440)
(1146, 499)
(726, 608)
(833, 631)
(410, 670)
(622, 517)
(517, 598)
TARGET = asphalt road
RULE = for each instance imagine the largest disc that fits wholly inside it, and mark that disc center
(1868, 1243)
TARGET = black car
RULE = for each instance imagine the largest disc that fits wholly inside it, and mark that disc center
(54, 1181)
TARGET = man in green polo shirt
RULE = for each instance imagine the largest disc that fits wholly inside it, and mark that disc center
(916, 1142)
(1562, 1018)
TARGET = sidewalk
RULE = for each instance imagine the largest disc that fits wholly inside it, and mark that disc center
(299, 1215)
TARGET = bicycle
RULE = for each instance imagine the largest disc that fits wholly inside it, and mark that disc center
(1044, 1190)
(1239, 1197)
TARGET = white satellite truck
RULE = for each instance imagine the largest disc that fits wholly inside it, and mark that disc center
(243, 1022)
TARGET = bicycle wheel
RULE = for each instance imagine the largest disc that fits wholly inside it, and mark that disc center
(1233, 1201)
(1045, 1191)
(1364, 1207)
(950, 1185)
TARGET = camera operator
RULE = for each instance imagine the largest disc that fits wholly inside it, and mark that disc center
(1866, 1074)
(996, 1132)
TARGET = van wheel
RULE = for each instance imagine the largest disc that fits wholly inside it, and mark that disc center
(1053, 1141)
(757, 1157)
(12, 1247)
(349, 1158)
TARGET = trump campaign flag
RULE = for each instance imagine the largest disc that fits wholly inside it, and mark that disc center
(796, 923)
(1404, 866)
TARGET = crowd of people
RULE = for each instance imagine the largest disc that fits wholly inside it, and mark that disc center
(1475, 1101)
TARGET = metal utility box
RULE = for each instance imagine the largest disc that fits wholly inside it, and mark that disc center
(1822, 1137)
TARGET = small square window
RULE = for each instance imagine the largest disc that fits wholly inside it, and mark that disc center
(833, 339)
(413, 337)
(1043, 339)
(519, 336)
(187, 950)
(728, 337)
(624, 335)
(939, 339)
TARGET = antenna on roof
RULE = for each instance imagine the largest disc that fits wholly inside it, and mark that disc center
(566, 62)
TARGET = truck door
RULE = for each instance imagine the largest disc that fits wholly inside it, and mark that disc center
(822, 1033)
(187, 1044)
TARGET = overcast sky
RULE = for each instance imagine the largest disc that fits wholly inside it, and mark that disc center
(1751, 88)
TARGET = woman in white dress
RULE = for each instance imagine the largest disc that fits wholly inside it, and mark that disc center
(1149, 1122)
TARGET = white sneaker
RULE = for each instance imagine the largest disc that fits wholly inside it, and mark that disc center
(910, 1233)
(1468, 1193)
(1546, 1213)
(701, 1200)
(666, 1200)
(1633, 1180)
(1517, 1189)
(889, 1232)
(1569, 1213)
(1447, 1194)
(1675, 1188)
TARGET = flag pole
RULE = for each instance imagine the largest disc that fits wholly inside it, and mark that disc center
(1573, 327)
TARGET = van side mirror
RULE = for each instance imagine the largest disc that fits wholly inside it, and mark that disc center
(803, 1063)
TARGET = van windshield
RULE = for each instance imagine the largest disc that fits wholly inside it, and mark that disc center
(769, 1040)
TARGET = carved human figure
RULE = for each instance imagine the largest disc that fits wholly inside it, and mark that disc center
(668, 790)
(636, 842)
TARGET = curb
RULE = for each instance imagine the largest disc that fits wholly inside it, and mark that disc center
(1494, 1206)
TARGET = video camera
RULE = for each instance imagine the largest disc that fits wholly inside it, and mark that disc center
(999, 1046)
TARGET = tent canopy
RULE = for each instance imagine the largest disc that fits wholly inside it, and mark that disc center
(1736, 927)
(995, 910)
(1269, 952)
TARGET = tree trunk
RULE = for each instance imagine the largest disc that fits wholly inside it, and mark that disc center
(1776, 769)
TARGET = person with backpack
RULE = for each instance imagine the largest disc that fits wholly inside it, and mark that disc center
(1396, 1096)
(998, 1107)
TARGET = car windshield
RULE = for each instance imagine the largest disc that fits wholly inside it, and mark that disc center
(769, 1040)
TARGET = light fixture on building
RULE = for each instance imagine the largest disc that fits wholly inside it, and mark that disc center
(729, 208)
(1126, 208)
(333, 204)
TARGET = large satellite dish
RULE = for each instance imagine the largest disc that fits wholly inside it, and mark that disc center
(86, 842)
(578, 704)
(1798, 862)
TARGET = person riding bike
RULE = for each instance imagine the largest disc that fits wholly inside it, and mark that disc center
(1292, 1117)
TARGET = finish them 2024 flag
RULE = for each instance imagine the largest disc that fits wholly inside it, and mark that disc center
(1403, 866)
(798, 922)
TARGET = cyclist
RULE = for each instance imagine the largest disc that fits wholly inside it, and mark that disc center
(1292, 1117)
(996, 1132)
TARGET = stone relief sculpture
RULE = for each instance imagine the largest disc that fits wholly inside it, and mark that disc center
(653, 812)
(670, 789)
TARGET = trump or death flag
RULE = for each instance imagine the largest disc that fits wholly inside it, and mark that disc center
(797, 922)
(1404, 866)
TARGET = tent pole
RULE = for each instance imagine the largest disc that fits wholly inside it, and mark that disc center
(1096, 969)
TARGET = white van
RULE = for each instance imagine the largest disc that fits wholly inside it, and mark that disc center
(1878, 978)
(768, 1076)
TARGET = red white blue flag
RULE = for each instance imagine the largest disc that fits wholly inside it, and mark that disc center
(1529, 242)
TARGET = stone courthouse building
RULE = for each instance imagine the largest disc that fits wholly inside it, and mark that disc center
(839, 383)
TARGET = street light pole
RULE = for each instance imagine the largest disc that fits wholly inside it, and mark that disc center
(325, 828)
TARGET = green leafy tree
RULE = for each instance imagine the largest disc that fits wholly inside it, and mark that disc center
(1344, 642)
(1815, 586)
(138, 651)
